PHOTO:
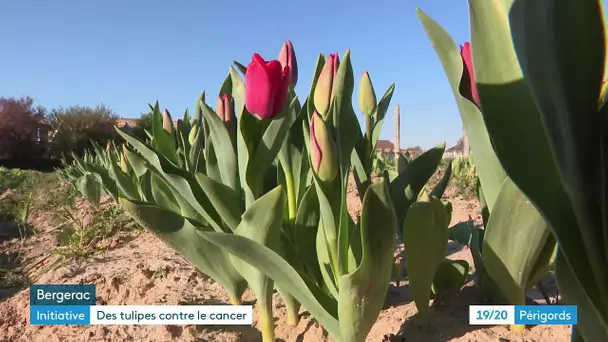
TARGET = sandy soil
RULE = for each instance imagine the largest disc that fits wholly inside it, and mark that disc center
(140, 269)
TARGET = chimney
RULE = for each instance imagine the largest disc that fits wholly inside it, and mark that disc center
(465, 143)
(397, 143)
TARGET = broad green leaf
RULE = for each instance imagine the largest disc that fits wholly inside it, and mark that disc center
(514, 238)
(89, 188)
(518, 134)
(406, 187)
(226, 201)
(123, 182)
(268, 145)
(137, 162)
(490, 171)
(565, 75)
(450, 276)
(224, 149)
(589, 325)
(162, 194)
(262, 223)
(362, 292)
(425, 238)
(305, 231)
(181, 235)
(322, 307)
(182, 183)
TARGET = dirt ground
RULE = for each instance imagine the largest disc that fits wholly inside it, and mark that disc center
(139, 269)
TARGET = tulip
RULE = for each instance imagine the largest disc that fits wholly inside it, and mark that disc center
(367, 95)
(167, 121)
(324, 91)
(323, 154)
(468, 75)
(287, 57)
(124, 166)
(224, 108)
(266, 85)
(193, 133)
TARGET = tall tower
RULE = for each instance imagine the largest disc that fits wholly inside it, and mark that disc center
(397, 143)
(465, 143)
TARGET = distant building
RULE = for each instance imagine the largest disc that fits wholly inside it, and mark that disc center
(454, 151)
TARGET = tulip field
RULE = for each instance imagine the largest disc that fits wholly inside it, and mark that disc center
(253, 194)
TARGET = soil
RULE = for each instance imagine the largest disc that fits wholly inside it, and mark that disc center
(138, 269)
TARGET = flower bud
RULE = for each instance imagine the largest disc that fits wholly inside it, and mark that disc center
(266, 86)
(468, 88)
(367, 95)
(224, 108)
(124, 166)
(324, 152)
(167, 121)
(324, 90)
(193, 133)
(287, 57)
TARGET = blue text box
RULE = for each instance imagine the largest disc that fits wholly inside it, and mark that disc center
(60, 314)
(546, 314)
(62, 294)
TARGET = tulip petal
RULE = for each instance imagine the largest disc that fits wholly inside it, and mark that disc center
(282, 89)
(259, 89)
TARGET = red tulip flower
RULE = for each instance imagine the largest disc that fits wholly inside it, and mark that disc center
(266, 85)
(468, 74)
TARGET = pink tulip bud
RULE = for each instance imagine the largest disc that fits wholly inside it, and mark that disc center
(468, 75)
(287, 57)
(167, 121)
(266, 85)
(323, 155)
(224, 108)
(324, 90)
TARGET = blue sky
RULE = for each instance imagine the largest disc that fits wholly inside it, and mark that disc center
(127, 54)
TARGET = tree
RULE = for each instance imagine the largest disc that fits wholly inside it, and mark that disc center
(74, 128)
(144, 122)
(22, 129)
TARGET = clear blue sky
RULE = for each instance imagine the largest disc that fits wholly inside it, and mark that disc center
(127, 54)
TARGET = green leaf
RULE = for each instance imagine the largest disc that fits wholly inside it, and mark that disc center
(163, 141)
(425, 238)
(267, 148)
(123, 182)
(137, 162)
(362, 292)
(261, 223)
(450, 276)
(162, 194)
(514, 238)
(322, 307)
(380, 114)
(222, 142)
(589, 325)
(226, 201)
(181, 235)
(182, 183)
(439, 189)
(565, 75)
(89, 188)
(518, 133)
(305, 231)
(490, 171)
(406, 187)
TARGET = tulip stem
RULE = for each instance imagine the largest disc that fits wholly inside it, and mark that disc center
(368, 134)
(291, 195)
